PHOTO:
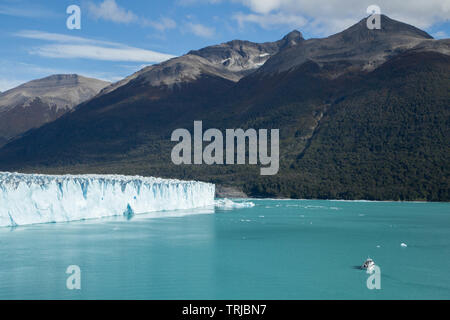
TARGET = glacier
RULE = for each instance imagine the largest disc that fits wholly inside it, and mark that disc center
(36, 198)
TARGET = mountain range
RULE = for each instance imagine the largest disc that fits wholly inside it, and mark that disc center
(38, 102)
(363, 114)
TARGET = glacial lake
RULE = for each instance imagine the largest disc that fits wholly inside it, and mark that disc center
(277, 249)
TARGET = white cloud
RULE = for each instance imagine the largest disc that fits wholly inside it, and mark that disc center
(264, 6)
(200, 30)
(269, 21)
(28, 11)
(78, 47)
(329, 16)
(67, 51)
(162, 24)
(192, 2)
(109, 10)
(57, 37)
(440, 35)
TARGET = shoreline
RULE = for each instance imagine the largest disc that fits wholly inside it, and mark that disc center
(332, 200)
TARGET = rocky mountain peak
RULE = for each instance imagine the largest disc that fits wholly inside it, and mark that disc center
(64, 81)
(43, 100)
(293, 38)
(231, 60)
(356, 48)
(390, 28)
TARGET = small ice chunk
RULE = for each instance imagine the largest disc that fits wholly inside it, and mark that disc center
(229, 204)
(403, 245)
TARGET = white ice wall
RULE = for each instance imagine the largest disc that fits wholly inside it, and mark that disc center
(29, 199)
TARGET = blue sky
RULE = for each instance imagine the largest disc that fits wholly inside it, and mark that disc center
(119, 37)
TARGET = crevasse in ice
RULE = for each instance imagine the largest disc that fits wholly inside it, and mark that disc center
(34, 198)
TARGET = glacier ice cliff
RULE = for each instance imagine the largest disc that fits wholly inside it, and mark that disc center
(34, 198)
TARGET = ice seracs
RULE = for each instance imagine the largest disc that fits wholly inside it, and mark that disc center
(32, 198)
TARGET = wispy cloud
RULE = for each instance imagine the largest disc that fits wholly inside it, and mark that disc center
(162, 24)
(109, 10)
(268, 21)
(200, 30)
(100, 53)
(57, 37)
(69, 47)
(29, 11)
(192, 2)
(322, 17)
(440, 35)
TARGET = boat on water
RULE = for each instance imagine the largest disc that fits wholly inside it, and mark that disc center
(368, 264)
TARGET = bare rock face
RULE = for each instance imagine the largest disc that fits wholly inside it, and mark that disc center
(229, 192)
(345, 131)
(356, 48)
(441, 46)
(244, 57)
(352, 50)
(37, 102)
(231, 60)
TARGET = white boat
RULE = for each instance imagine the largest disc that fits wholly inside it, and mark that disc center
(368, 264)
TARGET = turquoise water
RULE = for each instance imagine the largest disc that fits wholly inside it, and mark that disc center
(291, 249)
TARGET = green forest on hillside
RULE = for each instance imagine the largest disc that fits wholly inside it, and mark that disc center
(383, 135)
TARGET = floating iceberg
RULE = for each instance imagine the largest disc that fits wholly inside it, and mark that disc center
(34, 198)
(228, 204)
